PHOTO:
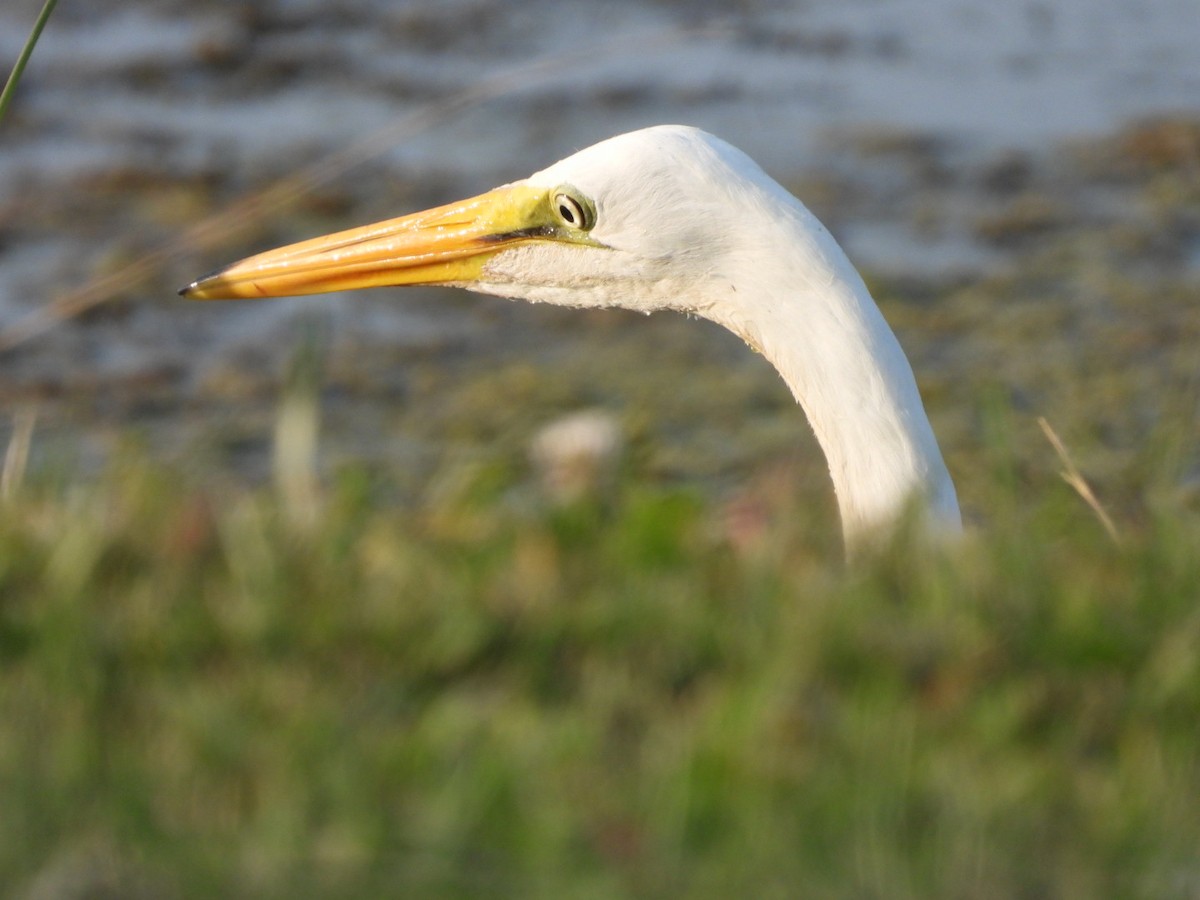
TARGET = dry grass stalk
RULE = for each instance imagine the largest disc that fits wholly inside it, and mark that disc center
(222, 229)
(1072, 476)
(17, 456)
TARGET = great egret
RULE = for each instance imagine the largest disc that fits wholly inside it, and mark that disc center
(671, 218)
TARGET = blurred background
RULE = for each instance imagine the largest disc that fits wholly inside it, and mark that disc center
(151, 143)
(290, 607)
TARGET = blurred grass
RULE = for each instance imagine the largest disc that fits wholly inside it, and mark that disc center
(484, 695)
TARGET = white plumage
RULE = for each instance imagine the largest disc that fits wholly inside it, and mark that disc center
(670, 218)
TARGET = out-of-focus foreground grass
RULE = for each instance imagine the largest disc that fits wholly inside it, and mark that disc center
(485, 694)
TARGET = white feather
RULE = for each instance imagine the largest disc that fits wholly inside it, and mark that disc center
(695, 225)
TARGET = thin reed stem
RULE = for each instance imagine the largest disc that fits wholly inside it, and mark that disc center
(10, 86)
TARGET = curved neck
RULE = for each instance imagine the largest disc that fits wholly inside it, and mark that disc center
(822, 331)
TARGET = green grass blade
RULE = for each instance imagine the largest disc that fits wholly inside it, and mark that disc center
(10, 87)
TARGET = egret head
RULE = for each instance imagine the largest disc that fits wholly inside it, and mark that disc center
(639, 221)
(666, 218)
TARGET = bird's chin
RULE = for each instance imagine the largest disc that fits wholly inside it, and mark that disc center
(531, 293)
(581, 277)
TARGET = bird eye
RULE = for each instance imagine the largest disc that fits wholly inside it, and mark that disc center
(573, 211)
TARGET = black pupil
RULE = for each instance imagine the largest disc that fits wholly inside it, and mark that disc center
(567, 213)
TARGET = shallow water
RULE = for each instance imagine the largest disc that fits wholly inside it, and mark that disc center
(138, 119)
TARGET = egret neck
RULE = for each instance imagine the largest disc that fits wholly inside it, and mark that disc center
(811, 316)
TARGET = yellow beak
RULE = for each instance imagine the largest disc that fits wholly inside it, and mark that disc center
(449, 244)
